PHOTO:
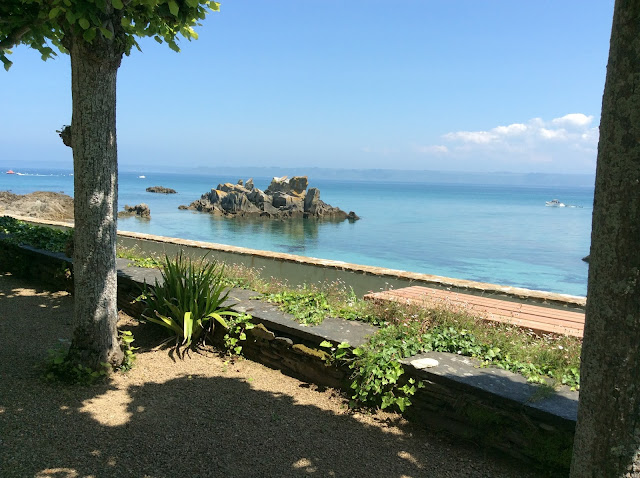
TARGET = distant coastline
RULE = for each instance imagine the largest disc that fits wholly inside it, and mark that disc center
(357, 175)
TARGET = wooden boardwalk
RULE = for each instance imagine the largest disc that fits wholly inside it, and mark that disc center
(535, 317)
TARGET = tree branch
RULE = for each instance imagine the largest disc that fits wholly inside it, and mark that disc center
(65, 134)
(14, 37)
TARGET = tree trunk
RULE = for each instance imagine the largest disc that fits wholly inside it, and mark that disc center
(607, 440)
(95, 164)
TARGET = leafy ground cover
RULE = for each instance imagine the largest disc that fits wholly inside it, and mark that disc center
(48, 238)
(404, 330)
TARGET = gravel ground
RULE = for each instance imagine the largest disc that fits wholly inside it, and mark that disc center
(203, 416)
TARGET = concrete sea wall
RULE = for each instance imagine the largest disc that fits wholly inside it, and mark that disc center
(298, 270)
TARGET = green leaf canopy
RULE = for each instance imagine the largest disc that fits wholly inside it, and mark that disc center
(43, 24)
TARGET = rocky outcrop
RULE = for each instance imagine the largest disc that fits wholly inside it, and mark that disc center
(161, 190)
(283, 199)
(139, 210)
(39, 204)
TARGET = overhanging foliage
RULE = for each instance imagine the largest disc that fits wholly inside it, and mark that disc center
(47, 25)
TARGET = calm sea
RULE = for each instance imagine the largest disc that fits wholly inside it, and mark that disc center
(498, 234)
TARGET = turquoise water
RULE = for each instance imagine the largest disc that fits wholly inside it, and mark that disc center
(498, 234)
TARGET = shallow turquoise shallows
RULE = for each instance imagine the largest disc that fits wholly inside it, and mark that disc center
(498, 234)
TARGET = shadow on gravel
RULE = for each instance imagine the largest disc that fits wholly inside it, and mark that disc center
(232, 440)
(191, 426)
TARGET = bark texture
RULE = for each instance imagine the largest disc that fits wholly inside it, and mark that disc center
(607, 439)
(95, 163)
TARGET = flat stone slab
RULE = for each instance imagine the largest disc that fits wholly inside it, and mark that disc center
(332, 329)
(468, 372)
(127, 270)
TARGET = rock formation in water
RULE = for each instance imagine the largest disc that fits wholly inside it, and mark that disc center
(161, 190)
(283, 199)
(139, 210)
(39, 204)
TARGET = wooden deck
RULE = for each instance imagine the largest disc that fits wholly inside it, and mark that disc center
(534, 317)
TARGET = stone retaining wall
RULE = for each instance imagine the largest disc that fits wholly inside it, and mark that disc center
(490, 406)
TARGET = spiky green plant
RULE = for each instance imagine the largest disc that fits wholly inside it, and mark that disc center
(189, 300)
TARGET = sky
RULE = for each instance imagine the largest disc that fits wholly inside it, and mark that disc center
(451, 85)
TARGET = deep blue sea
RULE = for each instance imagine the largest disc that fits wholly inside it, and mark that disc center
(498, 234)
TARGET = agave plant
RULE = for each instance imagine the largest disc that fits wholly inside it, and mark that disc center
(189, 300)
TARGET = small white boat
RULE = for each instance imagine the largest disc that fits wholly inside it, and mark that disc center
(554, 203)
(142, 177)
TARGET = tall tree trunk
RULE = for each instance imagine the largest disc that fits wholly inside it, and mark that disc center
(95, 164)
(607, 440)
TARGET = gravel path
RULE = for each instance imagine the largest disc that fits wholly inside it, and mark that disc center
(199, 417)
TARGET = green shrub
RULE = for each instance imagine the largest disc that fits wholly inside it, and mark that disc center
(376, 377)
(40, 237)
(308, 306)
(126, 339)
(377, 370)
(236, 332)
(311, 304)
(138, 258)
(189, 300)
(60, 367)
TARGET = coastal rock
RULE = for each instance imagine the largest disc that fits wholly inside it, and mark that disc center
(161, 190)
(230, 188)
(352, 216)
(286, 201)
(311, 200)
(283, 199)
(236, 202)
(39, 204)
(296, 186)
(140, 210)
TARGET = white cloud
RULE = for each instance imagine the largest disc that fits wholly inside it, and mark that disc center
(558, 142)
(591, 135)
(511, 130)
(486, 137)
(573, 119)
(478, 137)
(435, 149)
(557, 134)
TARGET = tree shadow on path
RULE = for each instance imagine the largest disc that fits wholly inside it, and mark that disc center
(191, 426)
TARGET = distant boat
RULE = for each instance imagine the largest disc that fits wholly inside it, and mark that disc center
(10, 172)
(554, 203)
(142, 177)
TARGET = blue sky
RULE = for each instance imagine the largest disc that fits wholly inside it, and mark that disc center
(414, 84)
